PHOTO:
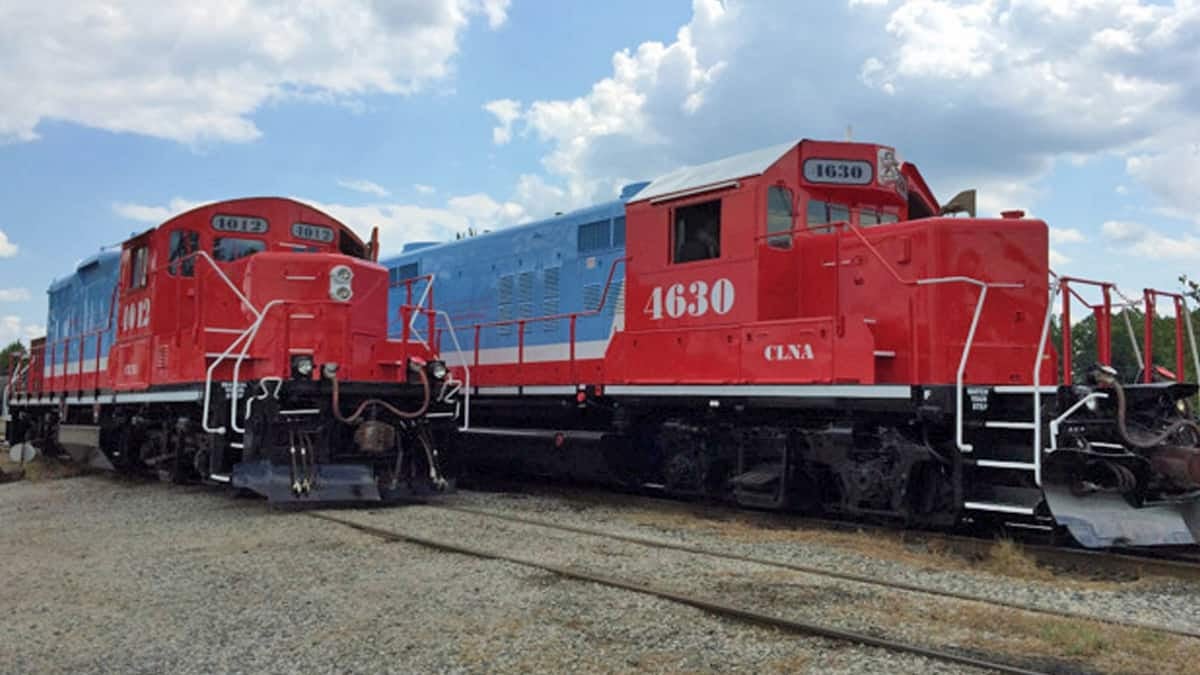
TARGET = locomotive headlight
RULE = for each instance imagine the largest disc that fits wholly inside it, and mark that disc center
(438, 369)
(329, 370)
(340, 277)
(302, 366)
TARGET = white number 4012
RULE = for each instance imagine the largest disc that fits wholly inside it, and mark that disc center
(693, 299)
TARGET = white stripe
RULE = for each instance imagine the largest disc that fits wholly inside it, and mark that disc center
(226, 331)
(72, 368)
(498, 390)
(1022, 389)
(559, 351)
(757, 390)
(158, 397)
(546, 390)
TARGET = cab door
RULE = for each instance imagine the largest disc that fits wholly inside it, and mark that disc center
(176, 297)
(130, 367)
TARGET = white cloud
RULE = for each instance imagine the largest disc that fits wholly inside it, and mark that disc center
(1057, 259)
(1066, 235)
(398, 223)
(424, 189)
(155, 214)
(978, 93)
(506, 111)
(1143, 241)
(364, 186)
(14, 328)
(14, 294)
(7, 248)
(402, 223)
(197, 71)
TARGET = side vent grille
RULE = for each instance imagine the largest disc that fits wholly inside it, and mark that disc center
(591, 296)
(550, 297)
(504, 293)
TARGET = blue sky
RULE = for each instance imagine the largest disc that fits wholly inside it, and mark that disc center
(425, 117)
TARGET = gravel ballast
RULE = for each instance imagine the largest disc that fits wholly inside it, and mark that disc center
(103, 575)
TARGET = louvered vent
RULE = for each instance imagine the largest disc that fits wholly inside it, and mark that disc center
(504, 293)
(550, 297)
(591, 296)
(594, 236)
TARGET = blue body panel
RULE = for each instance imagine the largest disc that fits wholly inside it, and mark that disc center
(80, 304)
(554, 266)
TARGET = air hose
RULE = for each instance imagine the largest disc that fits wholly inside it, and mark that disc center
(1144, 441)
(352, 418)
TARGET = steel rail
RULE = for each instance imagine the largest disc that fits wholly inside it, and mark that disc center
(819, 571)
(1126, 561)
(715, 607)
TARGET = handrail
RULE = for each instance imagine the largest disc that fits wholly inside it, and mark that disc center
(564, 315)
(427, 294)
(960, 375)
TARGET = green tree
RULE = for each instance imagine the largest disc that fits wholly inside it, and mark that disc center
(14, 351)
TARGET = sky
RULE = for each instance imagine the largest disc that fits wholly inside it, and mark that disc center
(427, 117)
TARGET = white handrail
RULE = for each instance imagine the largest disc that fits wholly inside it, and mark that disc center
(1037, 386)
(960, 376)
(1095, 395)
(466, 369)
(234, 395)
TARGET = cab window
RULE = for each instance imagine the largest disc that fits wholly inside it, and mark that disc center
(696, 232)
(820, 214)
(228, 249)
(868, 217)
(779, 217)
(139, 269)
(182, 244)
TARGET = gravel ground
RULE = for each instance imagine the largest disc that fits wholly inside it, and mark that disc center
(108, 576)
(1036, 641)
(1157, 601)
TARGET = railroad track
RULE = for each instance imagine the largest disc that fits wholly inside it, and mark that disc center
(1176, 564)
(711, 605)
(818, 571)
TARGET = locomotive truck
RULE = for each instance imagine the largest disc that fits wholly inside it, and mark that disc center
(806, 327)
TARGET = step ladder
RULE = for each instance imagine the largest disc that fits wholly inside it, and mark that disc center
(989, 450)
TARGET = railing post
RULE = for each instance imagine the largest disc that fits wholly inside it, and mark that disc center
(1066, 332)
(1179, 373)
(406, 316)
(1148, 336)
(521, 341)
(1104, 327)
(478, 330)
(572, 341)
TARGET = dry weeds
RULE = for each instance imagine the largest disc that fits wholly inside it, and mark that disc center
(1004, 558)
(41, 468)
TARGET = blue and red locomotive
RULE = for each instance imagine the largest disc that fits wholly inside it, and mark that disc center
(804, 327)
(245, 343)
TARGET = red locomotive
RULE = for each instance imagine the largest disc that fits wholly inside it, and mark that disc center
(243, 342)
(804, 327)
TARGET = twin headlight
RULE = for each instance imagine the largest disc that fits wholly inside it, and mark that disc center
(340, 278)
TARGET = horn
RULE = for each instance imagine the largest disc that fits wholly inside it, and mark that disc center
(963, 202)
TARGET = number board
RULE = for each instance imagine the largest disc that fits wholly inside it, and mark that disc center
(312, 232)
(247, 224)
(839, 171)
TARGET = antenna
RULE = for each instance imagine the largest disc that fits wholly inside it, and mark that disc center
(849, 132)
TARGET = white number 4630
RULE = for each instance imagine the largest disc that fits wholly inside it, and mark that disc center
(693, 299)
